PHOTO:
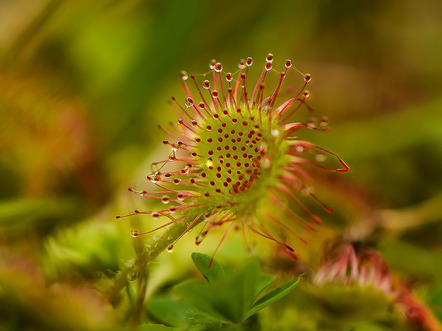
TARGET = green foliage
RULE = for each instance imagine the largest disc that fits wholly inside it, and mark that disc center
(425, 264)
(67, 250)
(351, 303)
(154, 327)
(20, 215)
(228, 297)
(435, 301)
(83, 86)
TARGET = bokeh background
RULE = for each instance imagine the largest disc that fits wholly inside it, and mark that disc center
(84, 84)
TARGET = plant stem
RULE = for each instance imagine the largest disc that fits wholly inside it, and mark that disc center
(141, 265)
(157, 245)
(147, 251)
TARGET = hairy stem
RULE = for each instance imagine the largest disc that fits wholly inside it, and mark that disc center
(142, 274)
(157, 245)
(147, 251)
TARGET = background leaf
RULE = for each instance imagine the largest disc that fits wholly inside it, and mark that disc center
(228, 298)
(273, 296)
(264, 282)
(213, 273)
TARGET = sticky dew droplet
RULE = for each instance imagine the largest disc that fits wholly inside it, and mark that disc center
(184, 75)
(169, 248)
(275, 132)
(267, 163)
(320, 157)
(176, 146)
(311, 124)
(189, 102)
(153, 178)
(268, 66)
(307, 190)
(299, 148)
(134, 233)
(218, 67)
(323, 122)
(199, 239)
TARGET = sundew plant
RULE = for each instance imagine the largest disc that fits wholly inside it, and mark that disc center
(264, 193)
(235, 149)
(236, 154)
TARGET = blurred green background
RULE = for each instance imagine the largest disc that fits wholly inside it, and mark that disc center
(84, 84)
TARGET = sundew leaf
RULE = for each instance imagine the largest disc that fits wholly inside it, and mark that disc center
(273, 296)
